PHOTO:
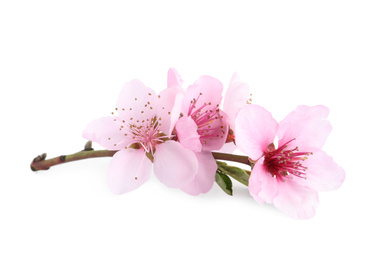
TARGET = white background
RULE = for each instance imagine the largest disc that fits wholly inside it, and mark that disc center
(63, 63)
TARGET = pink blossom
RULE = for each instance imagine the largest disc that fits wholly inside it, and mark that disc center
(291, 174)
(202, 126)
(141, 133)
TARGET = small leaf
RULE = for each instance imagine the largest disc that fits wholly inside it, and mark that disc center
(224, 182)
(221, 164)
(235, 172)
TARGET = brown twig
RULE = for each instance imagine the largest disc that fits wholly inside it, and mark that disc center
(40, 162)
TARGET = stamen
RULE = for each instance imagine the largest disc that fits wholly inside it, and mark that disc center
(146, 134)
(285, 163)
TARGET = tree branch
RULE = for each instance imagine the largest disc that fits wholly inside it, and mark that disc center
(40, 162)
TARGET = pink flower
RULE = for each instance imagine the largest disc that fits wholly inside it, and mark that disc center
(141, 132)
(290, 175)
(202, 127)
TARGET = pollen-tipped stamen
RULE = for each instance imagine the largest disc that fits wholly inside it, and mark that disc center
(285, 163)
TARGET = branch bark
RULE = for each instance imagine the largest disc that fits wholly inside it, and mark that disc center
(41, 163)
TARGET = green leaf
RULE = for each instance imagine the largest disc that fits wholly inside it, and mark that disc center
(221, 164)
(224, 182)
(235, 172)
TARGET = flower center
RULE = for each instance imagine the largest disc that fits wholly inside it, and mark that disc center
(148, 134)
(207, 118)
(285, 163)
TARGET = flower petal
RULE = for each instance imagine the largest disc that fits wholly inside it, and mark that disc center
(236, 97)
(262, 185)
(228, 148)
(174, 165)
(255, 130)
(128, 170)
(174, 79)
(188, 136)
(214, 135)
(322, 173)
(206, 91)
(168, 108)
(309, 125)
(296, 201)
(205, 177)
(105, 131)
(176, 111)
(136, 102)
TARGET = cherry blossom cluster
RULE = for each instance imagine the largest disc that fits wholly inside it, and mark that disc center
(177, 130)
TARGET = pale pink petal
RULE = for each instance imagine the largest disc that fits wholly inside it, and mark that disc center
(227, 148)
(236, 97)
(322, 173)
(136, 102)
(262, 185)
(174, 79)
(128, 170)
(187, 134)
(174, 165)
(255, 130)
(296, 201)
(205, 177)
(106, 132)
(176, 111)
(214, 135)
(168, 108)
(206, 91)
(308, 125)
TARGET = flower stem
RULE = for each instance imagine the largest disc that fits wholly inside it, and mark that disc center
(232, 158)
(40, 162)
